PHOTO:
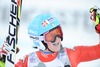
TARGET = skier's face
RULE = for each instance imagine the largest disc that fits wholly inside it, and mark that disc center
(55, 46)
(53, 39)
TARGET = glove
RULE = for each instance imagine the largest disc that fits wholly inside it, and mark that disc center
(2, 64)
(97, 28)
(2, 58)
(5, 50)
(95, 16)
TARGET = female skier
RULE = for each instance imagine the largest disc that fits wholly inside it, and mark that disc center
(46, 32)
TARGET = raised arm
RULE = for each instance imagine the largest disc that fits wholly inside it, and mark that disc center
(83, 54)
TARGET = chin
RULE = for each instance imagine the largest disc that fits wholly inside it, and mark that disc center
(58, 49)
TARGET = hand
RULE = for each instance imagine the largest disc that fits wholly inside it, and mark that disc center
(5, 50)
(95, 16)
(2, 64)
(97, 27)
(2, 56)
(2, 59)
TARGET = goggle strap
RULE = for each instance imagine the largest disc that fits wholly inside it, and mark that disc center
(37, 38)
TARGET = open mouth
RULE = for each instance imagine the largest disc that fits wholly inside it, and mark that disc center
(56, 44)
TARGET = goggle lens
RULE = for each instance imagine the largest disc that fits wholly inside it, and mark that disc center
(50, 36)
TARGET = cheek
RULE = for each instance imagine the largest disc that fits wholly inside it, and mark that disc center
(50, 45)
(54, 48)
(57, 48)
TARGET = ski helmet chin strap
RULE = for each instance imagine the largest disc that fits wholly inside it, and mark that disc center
(40, 39)
(51, 50)
(46, 47)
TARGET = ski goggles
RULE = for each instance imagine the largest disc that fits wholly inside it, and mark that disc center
(51, 35)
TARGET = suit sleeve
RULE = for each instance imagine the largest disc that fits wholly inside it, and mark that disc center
(83, 53)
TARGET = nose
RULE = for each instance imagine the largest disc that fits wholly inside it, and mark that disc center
(57, 38)
(57, 41)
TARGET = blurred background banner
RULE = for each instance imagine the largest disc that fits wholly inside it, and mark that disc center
(74, 17)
